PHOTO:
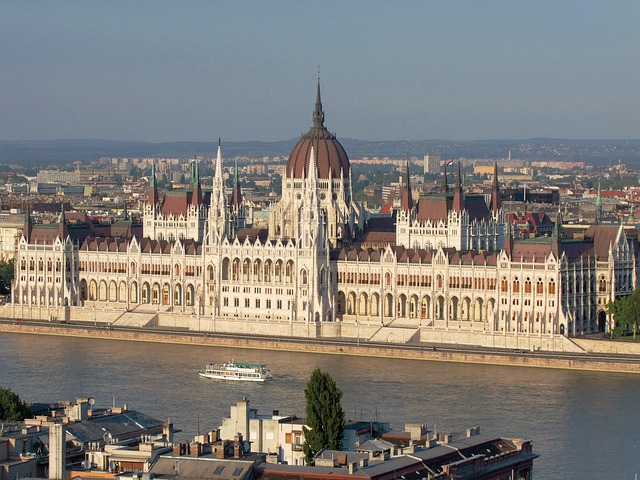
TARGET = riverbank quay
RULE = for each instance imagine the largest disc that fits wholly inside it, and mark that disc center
(588, 361)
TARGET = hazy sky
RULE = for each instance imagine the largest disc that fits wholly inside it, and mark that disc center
(247, 70)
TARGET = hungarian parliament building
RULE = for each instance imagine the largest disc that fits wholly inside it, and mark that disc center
(450, 265)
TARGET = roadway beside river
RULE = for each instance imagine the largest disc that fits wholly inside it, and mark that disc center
(602, 362)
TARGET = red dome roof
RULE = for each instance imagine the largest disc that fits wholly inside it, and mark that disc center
(331, 159)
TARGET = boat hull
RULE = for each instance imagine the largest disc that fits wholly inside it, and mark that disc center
(236, 378)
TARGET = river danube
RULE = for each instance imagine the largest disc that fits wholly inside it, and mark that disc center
(584, 425)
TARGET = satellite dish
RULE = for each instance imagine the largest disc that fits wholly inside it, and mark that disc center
(112, 465)
(86, 465)
(246, 447)
(107, 437)
(92, 401)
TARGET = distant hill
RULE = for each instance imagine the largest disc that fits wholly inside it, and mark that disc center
(61, 152)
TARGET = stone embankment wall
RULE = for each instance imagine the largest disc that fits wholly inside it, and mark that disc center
(328, 347)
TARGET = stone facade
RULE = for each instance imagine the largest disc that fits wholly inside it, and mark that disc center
(454, 266)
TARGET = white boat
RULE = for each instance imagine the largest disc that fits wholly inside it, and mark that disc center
(246, 372)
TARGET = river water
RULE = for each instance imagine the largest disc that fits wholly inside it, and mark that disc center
(584, 425)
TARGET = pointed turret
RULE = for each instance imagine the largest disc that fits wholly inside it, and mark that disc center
(63, 231)
(218, 198)
(196, 197)
(218, 172)
(458, 197)
(318, 113)
(236, 194)
(153, 187)
(218, 226)
(556, 236)
(598, 206)
(406, 203)
(445, 186)
(27, 223)
(508, 238)
(496, 202)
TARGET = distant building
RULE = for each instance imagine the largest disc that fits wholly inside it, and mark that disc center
(432, 163)
(58, 176)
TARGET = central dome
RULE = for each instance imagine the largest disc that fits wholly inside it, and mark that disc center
(331, 159)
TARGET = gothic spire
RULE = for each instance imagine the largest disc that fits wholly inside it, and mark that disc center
(153, 188)
(28, 224)
(458, 197)
(236, 194)
(598, 206)
(406, 202)
(196, 197)
(63, 232)
(508, 237)
(496, 202)
(318, 113)
(445, 186)
(557, 234)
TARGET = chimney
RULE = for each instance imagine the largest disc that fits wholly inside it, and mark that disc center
(220, 449)
(242, 419)
(473, 431)
(237, 446)
(177, 449)
(195, 449)
(167, 432)
(57, 452)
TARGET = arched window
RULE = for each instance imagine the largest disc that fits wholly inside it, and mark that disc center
(602, 285)
(504, 285)
(552, 287)
(516, 285)
(527, 285)
(540, 286)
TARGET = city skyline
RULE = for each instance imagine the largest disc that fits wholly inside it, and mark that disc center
(193, 71)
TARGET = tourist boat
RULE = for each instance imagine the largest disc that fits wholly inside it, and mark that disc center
(247, 372)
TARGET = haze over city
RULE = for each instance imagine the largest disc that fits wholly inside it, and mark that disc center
(168, 71)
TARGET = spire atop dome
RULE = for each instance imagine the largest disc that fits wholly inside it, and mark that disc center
(331, 159)
(318, 113)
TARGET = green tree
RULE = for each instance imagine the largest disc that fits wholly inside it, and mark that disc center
(6, 276)
(325, 417)
(11, 407)
(631, 311)
(614, 309)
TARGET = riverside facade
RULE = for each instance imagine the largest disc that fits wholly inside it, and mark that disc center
(453, 265)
